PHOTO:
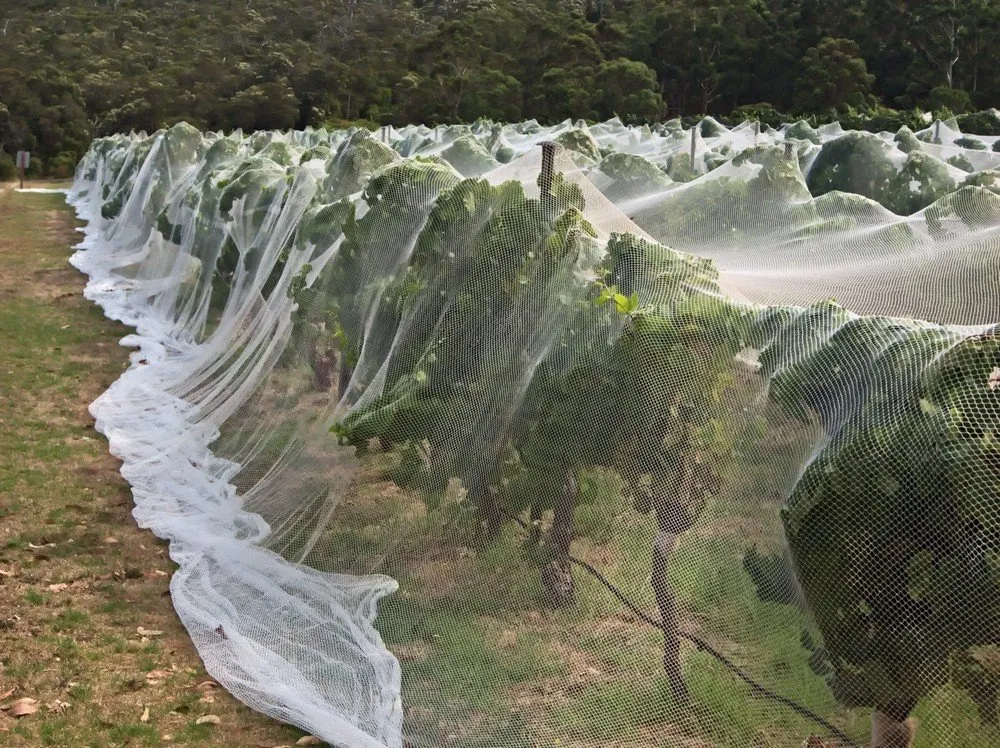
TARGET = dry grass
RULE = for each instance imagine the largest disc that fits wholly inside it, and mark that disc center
(78, 579)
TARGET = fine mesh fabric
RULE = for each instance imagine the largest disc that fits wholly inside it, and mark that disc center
(509, 435)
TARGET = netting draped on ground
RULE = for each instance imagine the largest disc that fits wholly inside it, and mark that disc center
(515, 435)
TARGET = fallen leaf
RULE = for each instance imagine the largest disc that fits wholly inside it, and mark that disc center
(110, 540)
(36, 547)
(160, 573)
(207, 699)
(5, 573)
(157, 676)
(58, 706)
(23, 707)
(206, 685)
(7, 694)
(58, 587)
(208, 719)
(145, 715)
(148, 632)
(309, 740)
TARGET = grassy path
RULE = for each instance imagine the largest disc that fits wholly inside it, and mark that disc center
(78, 579)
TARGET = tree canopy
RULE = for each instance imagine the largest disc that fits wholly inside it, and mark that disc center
(76, 69)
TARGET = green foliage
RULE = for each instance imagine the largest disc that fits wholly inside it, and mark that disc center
(906, 141)
(36, 168)
(490, 265)
(628, 90)
(900, 490)
(950, 99)
(961, 161)
(988, 179)
(62, 165)
(621, 176)
(76, 69)
(979, 212)
(268, 106)
(980, 123)
(763, 113)
(568, 93)
(802, 130)
(8, 169)
(922, 180)
(515, 345)
(973, 144)
(877, 118)
(772, 575)
(691, 214)
(580, 143)
(469, 157)
(855, 162)
(357, 159)
(904, 491)
(833, 76)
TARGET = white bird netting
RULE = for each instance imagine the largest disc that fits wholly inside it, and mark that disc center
(529, 436)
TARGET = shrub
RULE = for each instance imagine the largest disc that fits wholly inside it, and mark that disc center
(980, 123)
(884, 119)
(762, 112)
(973, 144)
(36, 167)
(63, 165)
(8, 170)
(834, 76)
(953, 99)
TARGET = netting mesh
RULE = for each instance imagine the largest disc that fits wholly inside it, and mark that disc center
(529, 436)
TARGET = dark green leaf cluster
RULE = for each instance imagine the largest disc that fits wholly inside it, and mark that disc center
(891, 525)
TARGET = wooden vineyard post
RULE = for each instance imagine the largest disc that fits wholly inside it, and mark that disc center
(548, 168)
(756, 132)
(557, 574)
(694, 145)
(788, 150)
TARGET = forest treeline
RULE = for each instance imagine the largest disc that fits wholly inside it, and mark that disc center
(71, 70)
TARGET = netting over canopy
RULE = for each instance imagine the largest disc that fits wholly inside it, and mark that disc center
(529, 436)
